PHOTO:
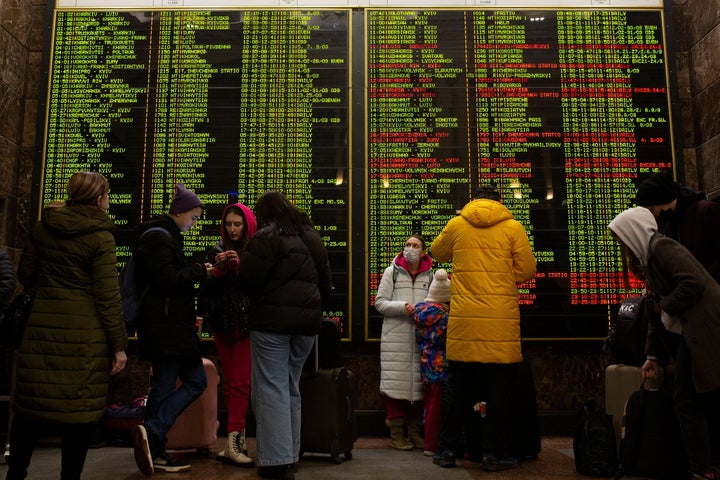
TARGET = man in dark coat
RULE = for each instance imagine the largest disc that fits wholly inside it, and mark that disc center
(684, 215)
(166, 328)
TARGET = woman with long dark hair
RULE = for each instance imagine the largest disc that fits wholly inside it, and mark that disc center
(285, 268)
(227, 316)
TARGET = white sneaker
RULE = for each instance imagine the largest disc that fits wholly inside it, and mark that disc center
(141, 449)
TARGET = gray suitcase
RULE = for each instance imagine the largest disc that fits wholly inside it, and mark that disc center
(620, 382)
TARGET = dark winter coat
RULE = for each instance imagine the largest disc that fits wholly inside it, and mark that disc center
(689, 293)
(289, 280)
(166, 326)
(223, 300)
(7, 279)
(76, 323)
(697, 227)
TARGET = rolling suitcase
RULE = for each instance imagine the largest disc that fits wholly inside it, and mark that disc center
(620, 382)
(328, 399)
(197, 426)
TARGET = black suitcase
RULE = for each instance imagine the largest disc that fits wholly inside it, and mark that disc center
(525, 422)
(328, 399)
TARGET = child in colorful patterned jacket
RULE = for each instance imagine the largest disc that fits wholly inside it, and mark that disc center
(431, 317)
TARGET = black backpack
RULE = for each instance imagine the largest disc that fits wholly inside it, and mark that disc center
(594, 444)
(651, 445)
(129, 294)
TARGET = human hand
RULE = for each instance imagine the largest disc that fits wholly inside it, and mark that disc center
(650, 369)
(233, 261)
(118, 363)
(409, 310)
(221, 261)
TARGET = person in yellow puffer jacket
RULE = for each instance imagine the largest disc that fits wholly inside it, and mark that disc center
(490, 254)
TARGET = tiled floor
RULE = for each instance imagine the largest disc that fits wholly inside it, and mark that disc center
(372, 459)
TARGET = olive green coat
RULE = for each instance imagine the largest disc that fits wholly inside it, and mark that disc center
(76, 323)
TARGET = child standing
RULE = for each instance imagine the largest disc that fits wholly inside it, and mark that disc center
(431, 317)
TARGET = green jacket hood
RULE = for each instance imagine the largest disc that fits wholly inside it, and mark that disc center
(485, 213)
(76, 220)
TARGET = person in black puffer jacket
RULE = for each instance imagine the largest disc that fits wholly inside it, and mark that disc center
(286, 271)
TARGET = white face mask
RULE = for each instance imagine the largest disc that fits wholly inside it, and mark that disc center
(412, 255)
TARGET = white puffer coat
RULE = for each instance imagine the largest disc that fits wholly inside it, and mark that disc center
(399, 355)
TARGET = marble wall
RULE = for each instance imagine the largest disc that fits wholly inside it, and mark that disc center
(21, 38)
(697, 57)
(566, 373)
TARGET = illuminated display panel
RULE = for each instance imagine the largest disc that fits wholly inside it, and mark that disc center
(563, 109)
(232, 104)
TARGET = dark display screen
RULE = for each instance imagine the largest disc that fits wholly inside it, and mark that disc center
(379, 123)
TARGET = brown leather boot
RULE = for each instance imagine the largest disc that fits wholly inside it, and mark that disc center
(397, 434)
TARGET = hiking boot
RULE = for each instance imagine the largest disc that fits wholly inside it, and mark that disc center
(445, 459)
(165, 463)
(490, 463)
(236, 450)
(141, 449)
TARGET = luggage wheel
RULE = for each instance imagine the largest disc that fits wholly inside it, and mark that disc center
(348, 455)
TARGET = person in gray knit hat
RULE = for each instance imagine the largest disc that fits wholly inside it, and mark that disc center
(167, 335)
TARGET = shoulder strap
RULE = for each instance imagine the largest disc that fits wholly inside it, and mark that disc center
(155, 229)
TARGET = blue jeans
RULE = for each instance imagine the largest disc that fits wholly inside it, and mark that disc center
(277, 362)
(166, 401)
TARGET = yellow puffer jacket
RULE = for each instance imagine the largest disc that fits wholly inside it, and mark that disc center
(491, 255)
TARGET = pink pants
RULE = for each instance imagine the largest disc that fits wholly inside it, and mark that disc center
(234, 351)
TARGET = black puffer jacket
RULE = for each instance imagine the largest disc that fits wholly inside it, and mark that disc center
(289, 280)
(167, 312)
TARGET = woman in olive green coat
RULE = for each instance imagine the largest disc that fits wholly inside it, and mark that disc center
(75, 337)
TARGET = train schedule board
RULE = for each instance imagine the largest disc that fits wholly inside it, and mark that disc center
(563, 110)
(379, 122)
(229, 103)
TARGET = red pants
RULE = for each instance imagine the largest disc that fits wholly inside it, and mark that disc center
(433, 416)
(234, 352)
(395, 408)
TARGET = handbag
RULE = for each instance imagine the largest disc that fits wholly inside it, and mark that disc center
(15, 317)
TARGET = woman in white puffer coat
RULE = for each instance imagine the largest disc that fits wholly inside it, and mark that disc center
(404, 283)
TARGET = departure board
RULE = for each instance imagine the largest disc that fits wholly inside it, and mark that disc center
(379, 123)
(231, 104)
(562, 110)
